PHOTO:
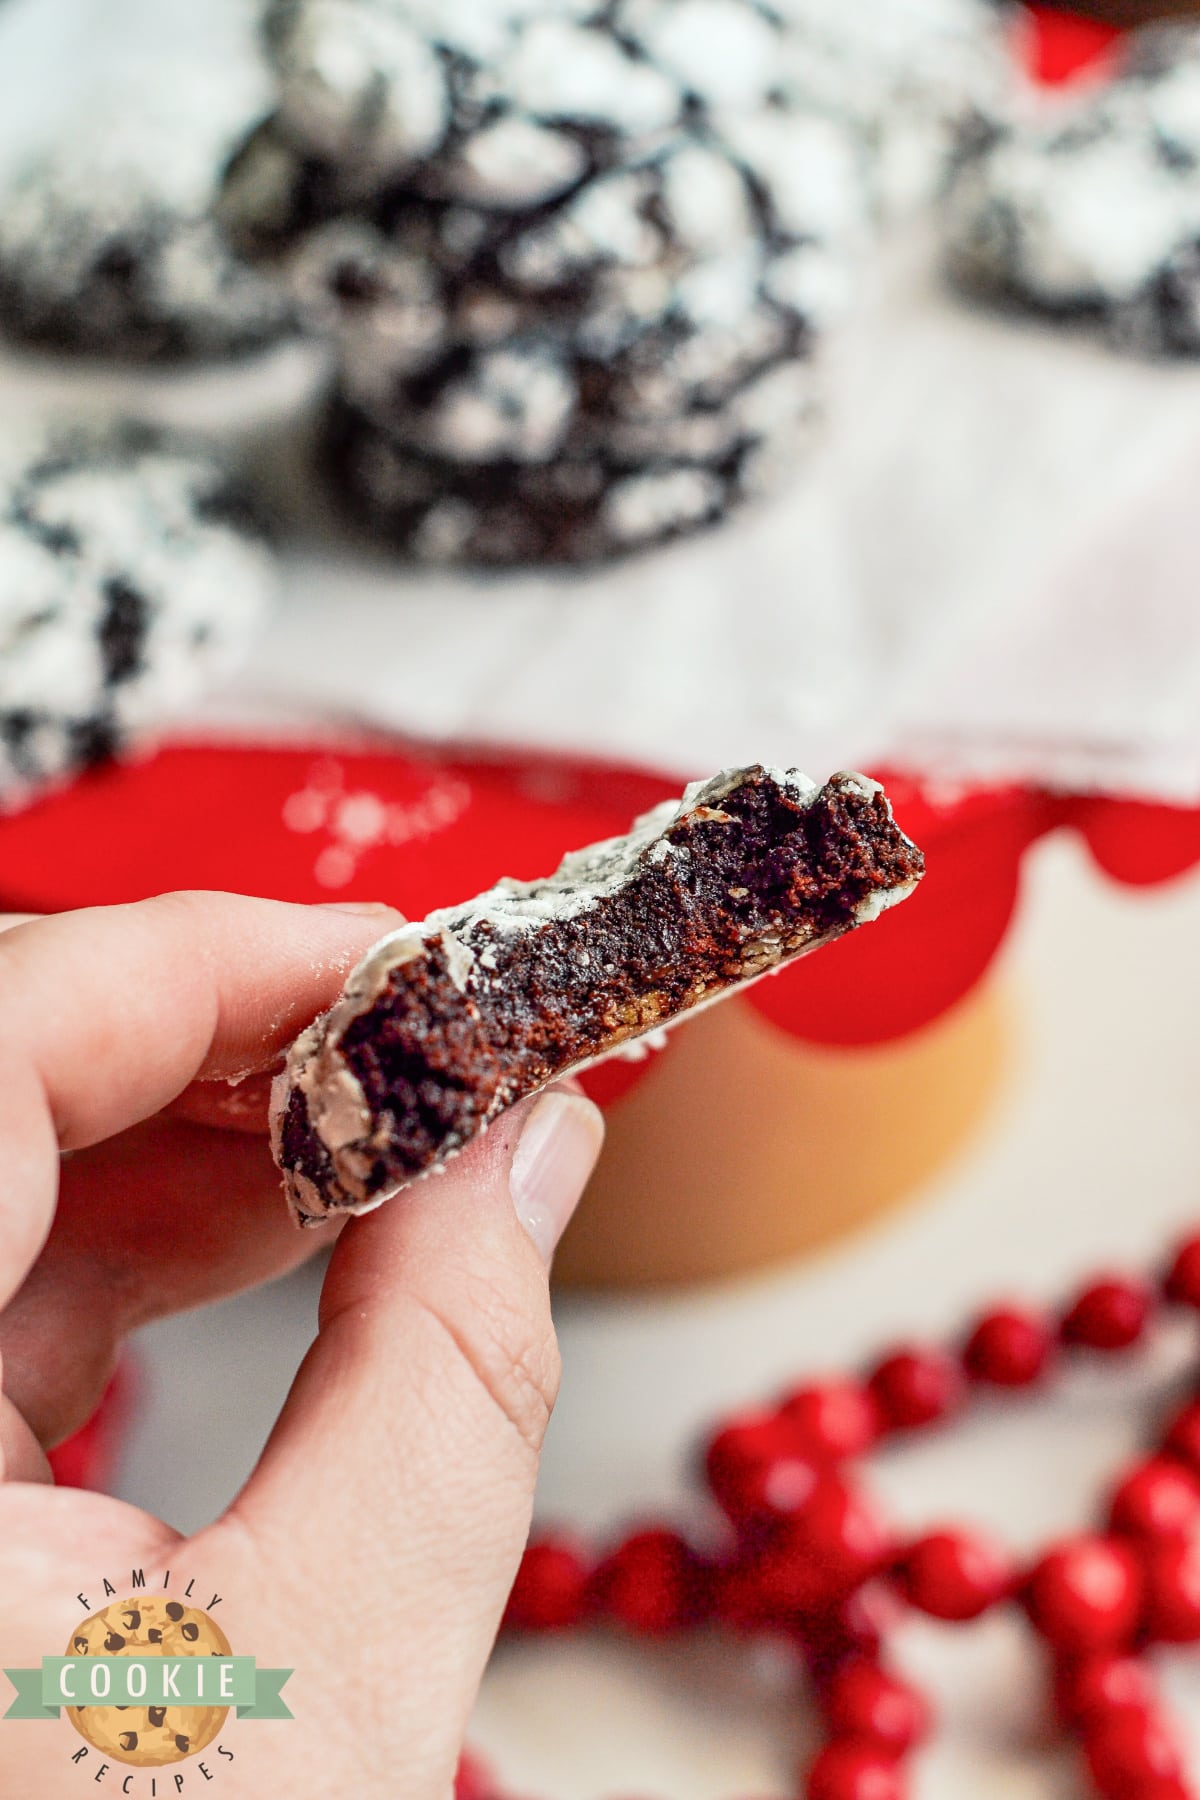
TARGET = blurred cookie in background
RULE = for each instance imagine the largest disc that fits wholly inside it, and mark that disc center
(659, 290)
(905, 75)
(133, 574)
(510, 103)
(108, 247)
(508, 511)
(609, 238)
(1087, 207)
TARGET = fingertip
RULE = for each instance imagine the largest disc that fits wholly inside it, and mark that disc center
(558, 1147)
(365, 909)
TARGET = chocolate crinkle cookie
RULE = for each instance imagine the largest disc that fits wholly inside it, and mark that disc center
(575, 302)
(622, 370)
(506, 512)
(1089, 208)
(447, 1022)
(906, 75)
(510, 103)
(108, 248)
(132, 575)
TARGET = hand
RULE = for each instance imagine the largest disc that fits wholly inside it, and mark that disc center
(373, 1546)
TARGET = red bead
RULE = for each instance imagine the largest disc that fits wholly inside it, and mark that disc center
(846, 1770)
(737, 1598)
(1008, 1348)
(834, 1420)
(756, 1468)
(472, 1780)
(915, 1388)
(834, 1543)
(550, 1591)
(1085, 1595)
(954, 1575)
(651, 1583)
(1182, 1439)
(1132, 1745)
(1156, 1499)
(1181, 1283)
(862, 1701)
(1092, 1686)
(1172, 1605)
(853, 1630)
(1108, 1315)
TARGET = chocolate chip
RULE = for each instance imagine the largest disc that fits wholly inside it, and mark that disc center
(81, 1645)
(132, 1620)
(158, 1715)
(182, 1743)
(128, 1740)
(174, 1610)
(114, 1642)
(154, 1635)
(191, 1633)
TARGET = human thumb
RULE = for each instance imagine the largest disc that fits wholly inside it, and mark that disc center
(394, 1497)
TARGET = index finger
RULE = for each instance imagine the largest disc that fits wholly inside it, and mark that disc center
(107, 1014)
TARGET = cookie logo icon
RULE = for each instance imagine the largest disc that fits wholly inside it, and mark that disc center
(164, 1730)
(149, 1681)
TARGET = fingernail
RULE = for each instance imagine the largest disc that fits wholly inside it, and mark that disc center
(555, 1154)
(365, 909)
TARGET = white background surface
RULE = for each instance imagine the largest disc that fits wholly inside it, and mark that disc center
(1092, 1156)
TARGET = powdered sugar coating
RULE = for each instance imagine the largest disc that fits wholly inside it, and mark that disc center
(107, 244)
(130, 578)
(1092, 204)
(906, 74)
(413, 86)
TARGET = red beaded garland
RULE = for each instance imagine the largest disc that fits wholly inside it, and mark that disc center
(1008, 1348)
(915, 1387)
(1171, 1575)
(847, 1770)
(808, 1545)
(472, 1779)
(828, 1547)
(1108, 1315)
(1092, 1686)
(756, 1467)
(1181, 1283)
(1131, 1745)
(953, 1575)
(651, 1583)
(1157, 1498)
(863, 1701)
(850, 1631)
(1085, 1594)
(834, 1420)
(1182, 1440)
(550, 1591)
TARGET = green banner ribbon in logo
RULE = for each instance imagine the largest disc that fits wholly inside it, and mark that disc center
(148, 1681)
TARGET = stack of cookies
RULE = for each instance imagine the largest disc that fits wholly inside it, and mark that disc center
(574, 255)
